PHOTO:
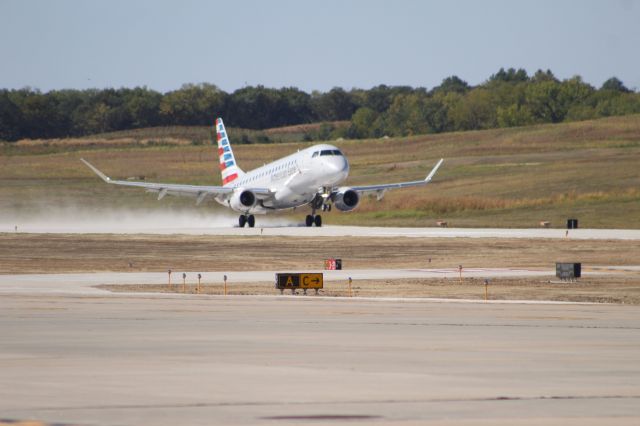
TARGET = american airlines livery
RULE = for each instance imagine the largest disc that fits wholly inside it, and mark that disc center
(311, 177)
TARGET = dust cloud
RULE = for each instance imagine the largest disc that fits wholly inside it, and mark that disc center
(115, 220)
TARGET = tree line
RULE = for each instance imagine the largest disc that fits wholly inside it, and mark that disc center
(507, 98)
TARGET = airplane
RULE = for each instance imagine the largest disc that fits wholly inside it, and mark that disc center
(312, 176)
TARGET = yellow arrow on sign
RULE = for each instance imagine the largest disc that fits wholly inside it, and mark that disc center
(311, 281)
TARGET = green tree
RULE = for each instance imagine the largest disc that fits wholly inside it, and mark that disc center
(510, 76)
(452, 84)
(98, 118)
(508, 98)
(576, 97)
(544, 101)
(294, 107)
(614, 84)
(363, 124)
(541, 76)
(476, 111)
(143, 107)
(436, 113)
(11, 118)
(379, 98)
(418, 113)
(193, 104)
(623, 104)
(514, 115)
(337, 104)
(40, 115)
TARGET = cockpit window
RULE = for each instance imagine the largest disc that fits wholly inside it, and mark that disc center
(315, 154)
(329, 152)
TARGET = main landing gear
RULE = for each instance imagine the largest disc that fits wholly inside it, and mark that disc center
(246, 219)
(313, 219)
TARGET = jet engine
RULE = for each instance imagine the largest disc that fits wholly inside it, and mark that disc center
(242, 200)
(346, 199)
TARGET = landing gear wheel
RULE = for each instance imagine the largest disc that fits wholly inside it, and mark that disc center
(309, 220)
(251, 220)
(318, 221)
(242, 220)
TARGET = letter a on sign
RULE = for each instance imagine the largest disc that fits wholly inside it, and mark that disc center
(289, 280)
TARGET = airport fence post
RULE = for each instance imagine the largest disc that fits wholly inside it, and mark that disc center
(350, 293)
(169, 273)
(460, 271)
(486, 289)
(198, 288)
(225, 285)
(184, 282)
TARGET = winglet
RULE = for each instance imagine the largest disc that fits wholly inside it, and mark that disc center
(96, 171)
(434, 170)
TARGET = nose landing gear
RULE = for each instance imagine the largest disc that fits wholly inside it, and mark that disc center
(246, 219)
(321, 201)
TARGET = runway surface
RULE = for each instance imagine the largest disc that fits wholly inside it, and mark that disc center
(140, 227)
(151, 359)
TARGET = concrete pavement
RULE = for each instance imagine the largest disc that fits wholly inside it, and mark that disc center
(275, 227)
(148, 359)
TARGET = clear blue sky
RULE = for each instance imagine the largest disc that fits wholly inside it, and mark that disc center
(312, 45)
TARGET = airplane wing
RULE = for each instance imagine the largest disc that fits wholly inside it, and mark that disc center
(200, 192)
(381, 189)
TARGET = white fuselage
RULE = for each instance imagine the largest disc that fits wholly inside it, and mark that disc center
(294, 180)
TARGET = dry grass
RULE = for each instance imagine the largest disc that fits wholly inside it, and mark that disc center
(301, 129)
(505, 177)
(444, 205)
(58, 253)
(27, 145)
(51, 253)
(161, 136)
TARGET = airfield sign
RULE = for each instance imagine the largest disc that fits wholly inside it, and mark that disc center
(304, 281)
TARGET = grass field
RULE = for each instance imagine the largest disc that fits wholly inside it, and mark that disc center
(63, 253)
(59, 253)
(513, 177)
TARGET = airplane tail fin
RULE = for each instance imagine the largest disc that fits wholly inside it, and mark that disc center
(228, 166)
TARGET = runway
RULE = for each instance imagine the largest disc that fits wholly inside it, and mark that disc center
(151, 359)
(365, 231)
(281, 228)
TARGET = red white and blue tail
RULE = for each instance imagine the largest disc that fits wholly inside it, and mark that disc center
(228, 166)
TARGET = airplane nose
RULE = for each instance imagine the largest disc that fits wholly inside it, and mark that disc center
(338, 167)
(337, 164)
